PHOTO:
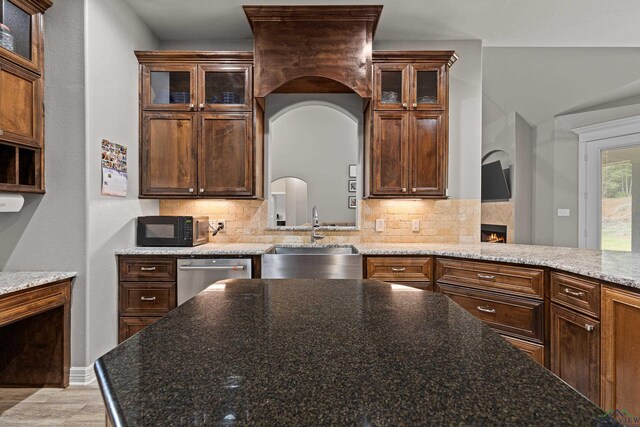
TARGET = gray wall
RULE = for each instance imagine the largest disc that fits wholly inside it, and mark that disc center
(50, 232)
(206, 44)
(465, 111)
(114, 31)
(316, 143)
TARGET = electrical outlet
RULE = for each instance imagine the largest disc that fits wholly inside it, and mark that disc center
(380, 224)
(213, 224)
(415, 225)
(224, 224)
(564, 212)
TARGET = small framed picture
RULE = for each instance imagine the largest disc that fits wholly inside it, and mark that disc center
(352, 202)
(352, 171)
(352, 186)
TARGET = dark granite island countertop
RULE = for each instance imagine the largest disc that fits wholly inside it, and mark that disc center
(328, 352)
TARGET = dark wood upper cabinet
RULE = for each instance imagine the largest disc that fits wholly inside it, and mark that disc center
(21, 96)
(169, 87)
(224, 88)
(197, 135)
(168, 154)
(389, 153)
(427, 154)
(414, 86)
(575, 350)
(226, 148)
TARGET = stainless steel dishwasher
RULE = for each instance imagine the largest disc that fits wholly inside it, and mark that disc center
(196, 274)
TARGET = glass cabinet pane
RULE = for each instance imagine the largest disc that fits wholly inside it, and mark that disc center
(427, 87)
(391, 87)
(15, 29)
(226, 87)
(171, 87)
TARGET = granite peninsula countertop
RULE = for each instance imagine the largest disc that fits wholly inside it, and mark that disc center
(12, 281)
(622, 268)
(330, 352)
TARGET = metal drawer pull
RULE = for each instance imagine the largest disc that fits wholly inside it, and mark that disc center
(147, 269)
(486, 276)
(589, 327)
(398, 269)
(148, 298)
(573, 293)
(212, 267)
(486, 309)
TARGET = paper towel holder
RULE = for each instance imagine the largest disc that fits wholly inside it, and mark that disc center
(11, 202)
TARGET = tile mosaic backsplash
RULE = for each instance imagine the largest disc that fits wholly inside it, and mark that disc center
(441, 221)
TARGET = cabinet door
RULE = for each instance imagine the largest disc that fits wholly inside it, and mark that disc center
(224, 88)
(129, 326)
(20, 106)
(169, 87)
(168, 154)
(620, 350)
(23, 45)
(389, 154)
(575, 351)
(427, 154)
(534, 351)
(391, 86)
(226, 155)
(428, 87)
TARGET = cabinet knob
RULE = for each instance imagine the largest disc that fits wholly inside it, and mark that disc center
(190, 190)
(413, 190)
(589, 327)
(405, 105)
(192, 107)
(404, 189)
(202, 106)
(415, 105)
(202, 190)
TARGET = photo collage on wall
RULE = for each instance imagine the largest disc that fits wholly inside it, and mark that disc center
(114, 169)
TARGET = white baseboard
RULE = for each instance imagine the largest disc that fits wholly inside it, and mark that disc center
(82, 375)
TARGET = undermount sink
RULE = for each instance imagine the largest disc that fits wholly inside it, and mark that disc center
(312, 262)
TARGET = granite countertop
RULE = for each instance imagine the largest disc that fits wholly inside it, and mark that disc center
(206, 249)
(331, 352)
(622, 268)
(12, 281)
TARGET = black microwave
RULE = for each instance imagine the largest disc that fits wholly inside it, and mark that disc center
(172, 230)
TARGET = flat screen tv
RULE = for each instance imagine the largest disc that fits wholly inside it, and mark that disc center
(495, 182)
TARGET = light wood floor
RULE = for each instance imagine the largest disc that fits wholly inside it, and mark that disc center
(73, 406)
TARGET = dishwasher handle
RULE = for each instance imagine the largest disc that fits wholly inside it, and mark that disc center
(212, 267)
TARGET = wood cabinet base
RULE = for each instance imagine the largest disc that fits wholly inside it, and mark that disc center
(534, 351)
(35, 336)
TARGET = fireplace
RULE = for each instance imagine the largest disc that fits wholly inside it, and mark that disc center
(493, 233)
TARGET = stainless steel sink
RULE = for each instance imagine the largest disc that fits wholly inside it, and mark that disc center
(312, 262)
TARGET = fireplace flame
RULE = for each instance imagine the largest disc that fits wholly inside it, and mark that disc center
(494, 238)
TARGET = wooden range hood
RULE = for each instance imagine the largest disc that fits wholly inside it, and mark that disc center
(307, 49)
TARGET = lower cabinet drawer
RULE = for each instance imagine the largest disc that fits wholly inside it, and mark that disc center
(513, 316)
(406, 269)
(130, 326)
(534, 351)
(147, 298)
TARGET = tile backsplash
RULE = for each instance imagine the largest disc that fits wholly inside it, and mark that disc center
(500, 213)
(441, 221)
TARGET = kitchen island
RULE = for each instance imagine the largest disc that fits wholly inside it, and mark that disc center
(335, 352)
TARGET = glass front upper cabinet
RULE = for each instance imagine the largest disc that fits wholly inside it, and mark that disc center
(169, 88)
(224, 88)
(391, 86)
(428, 87)
(19, 36)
